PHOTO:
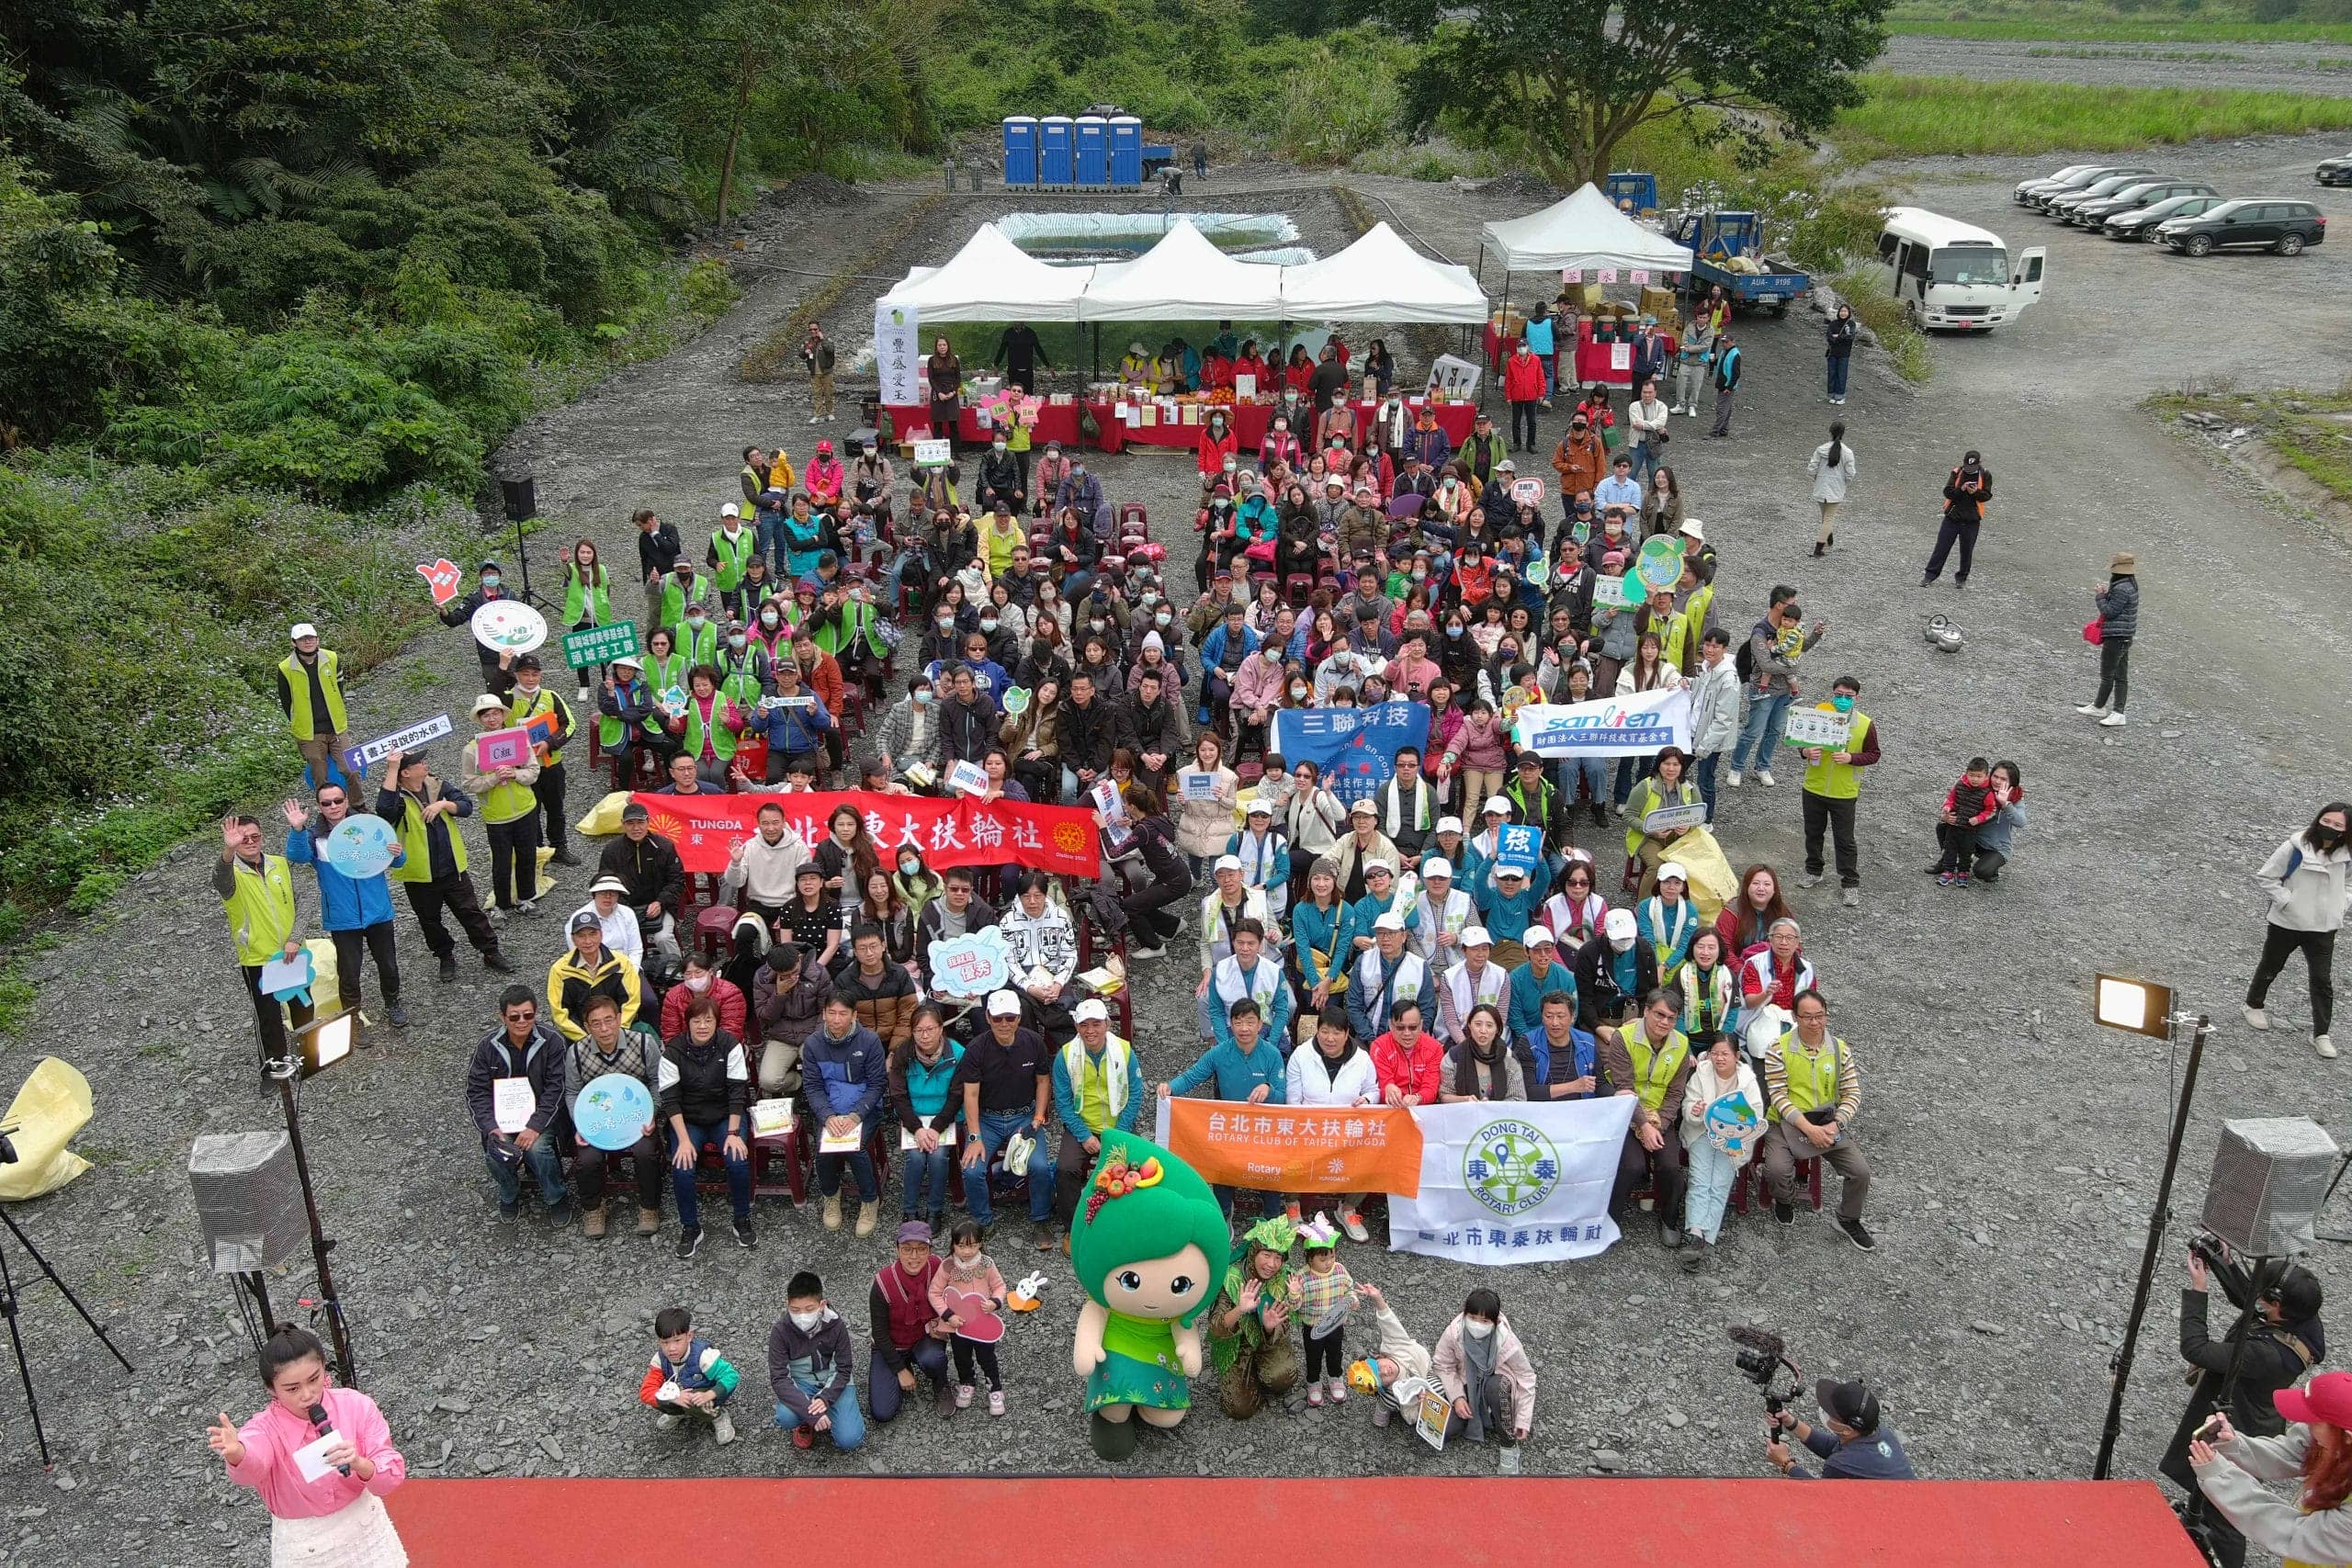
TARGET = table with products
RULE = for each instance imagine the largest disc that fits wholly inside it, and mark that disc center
(1250, 424)
(1054, 421)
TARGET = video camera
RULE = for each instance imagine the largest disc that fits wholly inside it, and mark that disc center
(1762, 1358)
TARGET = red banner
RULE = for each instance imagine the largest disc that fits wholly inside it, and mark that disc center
(958, 831)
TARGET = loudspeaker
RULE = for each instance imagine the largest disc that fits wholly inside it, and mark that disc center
(522, 498)
(248, 1200)
(2270, 1175)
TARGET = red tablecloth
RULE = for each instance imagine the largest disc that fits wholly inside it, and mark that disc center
(1250, 422)
(1055, 423)
(1594, 360)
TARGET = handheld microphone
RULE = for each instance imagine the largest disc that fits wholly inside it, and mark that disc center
(318, 1416)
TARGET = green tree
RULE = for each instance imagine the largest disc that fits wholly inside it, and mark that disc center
(1567, 80)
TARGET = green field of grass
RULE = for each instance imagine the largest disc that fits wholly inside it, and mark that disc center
(2092, 28)
(1920, 115)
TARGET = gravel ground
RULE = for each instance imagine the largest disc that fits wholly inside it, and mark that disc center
(2017, 1145)
(2314, 68)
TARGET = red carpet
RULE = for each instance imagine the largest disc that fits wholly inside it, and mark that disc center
(892, 1522)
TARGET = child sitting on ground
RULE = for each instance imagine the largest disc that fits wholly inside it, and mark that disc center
(688, 1377)
(1968, 806)
(968, 1269)
(1323, 1289)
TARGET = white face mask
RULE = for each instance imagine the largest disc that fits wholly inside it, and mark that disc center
(1470, 1325)
(806, 1321)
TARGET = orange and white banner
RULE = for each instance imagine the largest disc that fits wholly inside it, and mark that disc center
(1282, 1148)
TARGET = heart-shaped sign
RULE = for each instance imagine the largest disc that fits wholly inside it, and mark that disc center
(981, 1322)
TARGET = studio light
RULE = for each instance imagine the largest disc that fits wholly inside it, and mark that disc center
(328, 1041)
(2133, 1006)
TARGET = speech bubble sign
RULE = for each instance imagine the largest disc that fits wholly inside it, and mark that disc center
(1527, 492)
(360, 846)
(971, 966)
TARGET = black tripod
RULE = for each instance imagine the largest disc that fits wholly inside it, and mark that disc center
(16, 1340)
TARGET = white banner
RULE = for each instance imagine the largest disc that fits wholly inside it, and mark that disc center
(1514, 1182)
(1607, 726)
(898, 352)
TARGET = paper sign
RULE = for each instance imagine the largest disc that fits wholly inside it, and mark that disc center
(1666, 818)
(898, 352)
(1607, 274)
(1527, 492)
(971, 966)
(1825, 728)
(311, 1459)
(1455, 378)
(511, 1101)
(1108, 801)
(831, 1142)
(600, 644)
(771, 1116)
(441, 576)
(1640, 274)
(1519, 845)
(947, 1138)
(1617, 593)
(1193, 785)
(1428, 1417)
(284, 977)
(1245, 387)
(509, 626)
(503, 748)
(358, 758)
(360, 846)
(968, 778)
(931, 454)
(1621, 357)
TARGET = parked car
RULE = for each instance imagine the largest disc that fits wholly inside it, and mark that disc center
(2286, 227)
(2073, 183)
(2141, 223)
(2334, 171)
(2026, 188)
(2132, 198)
(2062, 206)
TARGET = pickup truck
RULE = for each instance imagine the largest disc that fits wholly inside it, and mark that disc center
(1723, 248)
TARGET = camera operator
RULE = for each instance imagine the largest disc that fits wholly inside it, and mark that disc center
(2276, 1339)
(1855, 1447)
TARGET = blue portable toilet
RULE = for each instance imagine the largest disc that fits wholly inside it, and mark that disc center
(1094, 150)
(1126, 153)
(1020, 149)
(1056, 140)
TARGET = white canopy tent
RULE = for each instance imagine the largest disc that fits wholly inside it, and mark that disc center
(1183, 278)
(1382, 278)
(992, 280)
(1583, 230)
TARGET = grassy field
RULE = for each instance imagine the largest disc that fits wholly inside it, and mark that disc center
(1920, 115)
(2096, 29)
(2310, 430)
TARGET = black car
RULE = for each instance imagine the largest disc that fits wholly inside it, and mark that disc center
(2132, 198)
(2141, 223)
(2286, 227)
(2334, 171)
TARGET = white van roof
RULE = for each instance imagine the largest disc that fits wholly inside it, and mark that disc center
(1936, 230)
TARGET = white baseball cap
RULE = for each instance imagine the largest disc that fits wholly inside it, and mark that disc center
(1673, 868)
(302, 630)
(1091, 1010)
(1260, 806)
(731, 510)
(1229, 863)
(1438, 865)
(1004, 1004)
(1619, 923)
(1378, 863)
(1449, 825)
(1539, 934)
(1391, 922)
(1476, 936)
(1510, 870)
(1497, 806)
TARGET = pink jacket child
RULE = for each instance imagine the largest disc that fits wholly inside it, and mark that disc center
(1480, 744)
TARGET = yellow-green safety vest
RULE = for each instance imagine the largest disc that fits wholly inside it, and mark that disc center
(734, 552)
(416, 863)
(585, 600)
(667, 672)
(1638, 1044)
(722, 739)
(261, 909)
(1812, 1080)
(737, 677)
(700, 647)
(521, 709)
(507, 800)
(303, 722)
(674, 603)
(1840, 781)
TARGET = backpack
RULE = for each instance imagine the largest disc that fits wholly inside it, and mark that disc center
(1744, 661)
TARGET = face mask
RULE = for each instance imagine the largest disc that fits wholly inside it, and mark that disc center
(489, 580)
(697, 982)
(1273, 655)
(768, 618)
(1621, 945)
(1163, 617)
(908, 867)
(1420, 573)
(735, 639)
(1078, 471)
(1842, 703)
(1454, 630)
(1000, 447)
(694, 617)
(1470, 1325)
(988, 623)
(1297, 690)
(944, 623)
(1097, 623)
(922, 699)
(806, 1321)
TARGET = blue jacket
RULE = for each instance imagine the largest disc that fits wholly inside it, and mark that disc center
(1587, 1048)
(345, 904)
(1527, 996)
(1213, 647)
(1065, 1097)
(844, 1077)
(1312, 930)
(1506, 919)
(1234, 1075)
(791, 730)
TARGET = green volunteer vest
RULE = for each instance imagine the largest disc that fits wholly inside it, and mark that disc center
(1669, 1062)
(722, 739)
(674, 603)
(584, 601)
(667, 672)
(521, 709)
(416, 863)
(734, 553)
(698, 648)
(737, 680)
(261, 909)
(508, 801)
(609, 729)
(300, 719)
(1840, 781)
(1812, 1080)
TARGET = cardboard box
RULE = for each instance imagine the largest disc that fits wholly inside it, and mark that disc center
(1585, 296)
(1656, 301)
(1509, 323)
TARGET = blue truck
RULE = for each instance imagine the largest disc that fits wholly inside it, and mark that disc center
(1715, 240)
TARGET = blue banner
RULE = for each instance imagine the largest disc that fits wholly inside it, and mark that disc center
(1355, 749)
(1519, 845)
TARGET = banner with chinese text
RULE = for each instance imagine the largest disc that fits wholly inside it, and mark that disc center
(1509, 1182)
(962, 831)
(1354, 749)
(1305, 1148)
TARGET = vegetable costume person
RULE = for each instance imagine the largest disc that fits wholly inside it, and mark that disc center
(1142, 1243)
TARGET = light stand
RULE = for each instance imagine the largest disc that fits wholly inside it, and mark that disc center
(2141, 1008)
(321, 1045)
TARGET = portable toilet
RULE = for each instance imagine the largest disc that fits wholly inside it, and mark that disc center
(1055, 140)
(1094, 150)
(1126, 153)
(1020, 149)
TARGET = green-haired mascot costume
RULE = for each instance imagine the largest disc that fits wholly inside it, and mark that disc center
(1147, 1244)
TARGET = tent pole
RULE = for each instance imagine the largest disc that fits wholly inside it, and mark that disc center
(1487, 382)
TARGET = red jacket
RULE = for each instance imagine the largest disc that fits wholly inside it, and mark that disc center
(1298, 378)
(1418, 1074)
(1523, 378)
(1991, 808)
(726, 993)
(1213, 451)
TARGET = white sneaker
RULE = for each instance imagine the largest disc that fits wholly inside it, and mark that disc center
(2090, 710)
(584, 694)
(1146, 952)
(1811, 879)
(2324, 1046)
(666, 1422)
(1764, 778)
(722, 1426)
(2255, 1017)
(1733, 778)
(812, 419)
(2113, 720)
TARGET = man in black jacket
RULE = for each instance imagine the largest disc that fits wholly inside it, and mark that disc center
(1155, 728)
(649, 866)
(967, 722)
(704, 1098)
(658, 550)
(1088, 732)
(2276, 1339)
(531, 1053)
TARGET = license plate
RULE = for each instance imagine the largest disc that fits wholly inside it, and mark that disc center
(1767, 298)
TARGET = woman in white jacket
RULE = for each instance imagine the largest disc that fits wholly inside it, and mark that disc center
(2305, 879)
(1832, 468)
(1716, 1151)
(1336, 1071)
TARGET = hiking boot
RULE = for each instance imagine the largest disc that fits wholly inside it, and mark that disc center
(868, 1216)
(1785, 1212)
(495, 962)
(397, 1015)
(1859, 1234)
(448, 967)
(591, 1223)
(833, 1212)
(565, 857)
(648, 1221)
(689, 1241)
(1852, 896)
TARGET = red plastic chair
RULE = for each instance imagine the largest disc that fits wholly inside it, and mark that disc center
(1132, 511)
(714, 928)
(1747, 1187)
(1298, 588)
